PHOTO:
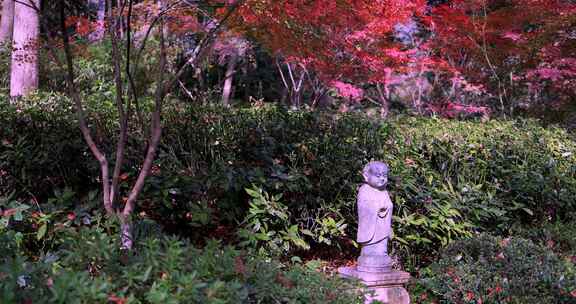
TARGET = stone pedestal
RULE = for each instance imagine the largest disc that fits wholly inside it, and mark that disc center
(387, 287)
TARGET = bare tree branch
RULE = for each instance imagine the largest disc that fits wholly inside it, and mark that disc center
(202, 46)
(75, 95)
(120, 103)
(155, 135)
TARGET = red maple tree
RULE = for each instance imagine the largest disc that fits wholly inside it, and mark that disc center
(343, 42)
(519, 50)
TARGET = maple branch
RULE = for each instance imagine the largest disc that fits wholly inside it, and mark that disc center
(373, 101)
(282, 74)
(75, 95)
(30, 4)
(302, 74)
(131, 84)
(202, 46)
(161, 14)
(291, 76)
(484, 49)
(149, 30)
(155, 135)
(120, 104)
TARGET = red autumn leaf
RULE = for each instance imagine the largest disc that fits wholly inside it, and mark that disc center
(498, 288)
(71, 20)
(71, 216)
(503, 36)
(83, 27)
(469, 296)
(117, 300)
(124, 176)
(341, 41)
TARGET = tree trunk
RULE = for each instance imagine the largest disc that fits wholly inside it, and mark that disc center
(24, 66)
(384, 97)
(120, 7)
(98, 6)
(230, 70)
(7, 21)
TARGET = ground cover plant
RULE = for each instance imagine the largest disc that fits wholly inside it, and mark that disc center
(487, 269)
(86, 267)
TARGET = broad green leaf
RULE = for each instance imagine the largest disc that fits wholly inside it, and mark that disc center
(42, 231)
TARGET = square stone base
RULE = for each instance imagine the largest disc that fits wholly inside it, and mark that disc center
(386, 287)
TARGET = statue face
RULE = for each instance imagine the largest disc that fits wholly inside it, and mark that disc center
(377, 176)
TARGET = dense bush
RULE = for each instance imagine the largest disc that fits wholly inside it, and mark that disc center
(449, 179)
(488, 269)
(41, 147)
(454, 176)
(87, 267)
(558, 236)
(311, 159)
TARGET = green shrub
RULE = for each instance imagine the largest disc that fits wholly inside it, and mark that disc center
(88, 268)
(449, 179)
(559, 236)
(487, 269)
(41, 147)
(268, 224)
(212, 154)
(455, 177)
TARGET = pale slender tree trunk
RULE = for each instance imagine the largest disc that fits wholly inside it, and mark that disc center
(24, 66)
(7, 22)
(230, 70)
(99, 6)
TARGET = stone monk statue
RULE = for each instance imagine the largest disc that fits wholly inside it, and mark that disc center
(374, 219)
(374, 267)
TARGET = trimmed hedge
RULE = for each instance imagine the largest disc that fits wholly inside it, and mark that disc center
(449, 179)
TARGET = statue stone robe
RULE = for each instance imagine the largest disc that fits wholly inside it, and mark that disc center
(374, 224)
(374, 229)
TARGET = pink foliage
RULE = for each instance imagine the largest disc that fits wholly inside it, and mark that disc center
(348, 91)
(516, 37)
(229, 45)
(559, 74)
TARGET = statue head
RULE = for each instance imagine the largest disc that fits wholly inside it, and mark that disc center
(376, 174)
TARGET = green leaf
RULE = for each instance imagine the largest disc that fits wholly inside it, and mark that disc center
(18, 216)
(42, 231)
(252, 193)
(528, 211)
